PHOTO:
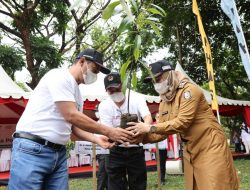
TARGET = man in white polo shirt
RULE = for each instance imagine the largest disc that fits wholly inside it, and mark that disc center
(54, 111)
(125, 165)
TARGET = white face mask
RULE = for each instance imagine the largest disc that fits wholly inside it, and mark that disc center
(117, 96)
(89, 77)
(162, 87)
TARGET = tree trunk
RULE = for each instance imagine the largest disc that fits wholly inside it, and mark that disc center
(29, 58)
(179, 45)
(23, 25)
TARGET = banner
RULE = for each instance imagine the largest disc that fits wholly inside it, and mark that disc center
(6, 132)
(229, 8)
(85, 147)
(208, 56)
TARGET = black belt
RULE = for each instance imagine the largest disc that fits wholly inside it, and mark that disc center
(38, 139)
(121, 148)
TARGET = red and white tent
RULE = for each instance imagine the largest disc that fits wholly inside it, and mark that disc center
(13, 100)
(93, 94)
(12, 103)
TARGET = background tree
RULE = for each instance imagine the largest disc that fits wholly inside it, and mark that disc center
(84, 17)
(11, 58)
(24, 24)
(181, 36)
(53, 30)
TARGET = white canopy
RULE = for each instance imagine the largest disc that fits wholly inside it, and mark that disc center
(8, 88)
(97, 91)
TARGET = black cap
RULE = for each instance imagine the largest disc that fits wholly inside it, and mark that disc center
(96, 57)
(158, 68)
(112, 80)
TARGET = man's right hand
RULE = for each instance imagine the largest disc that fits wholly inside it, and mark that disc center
(120, 135)
(138, 139)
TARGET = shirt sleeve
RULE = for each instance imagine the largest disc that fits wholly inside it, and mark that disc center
(60, 87)
(142, 106)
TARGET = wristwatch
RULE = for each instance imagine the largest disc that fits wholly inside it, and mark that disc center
(152, 129)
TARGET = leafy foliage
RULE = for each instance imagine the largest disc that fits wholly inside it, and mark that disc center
(107, 13)
(69, 146)
(180, 33)
(146, 88)
(133, 27)
(11, 58)
(230, 77)
(56, 9)
(29, 20)
(45, 54)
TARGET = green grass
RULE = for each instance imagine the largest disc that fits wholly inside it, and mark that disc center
(174, 182)
(243, 168)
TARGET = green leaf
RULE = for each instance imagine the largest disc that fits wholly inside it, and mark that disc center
(134, 4)
(138, 41)
(127, 46)
(148, 69)
(127, 10)
(136, 54)
(155, 11)
(154, 27)
(137, 47)
(134, 80)
(124, 84)
(160, 9)
(124, 68)
(107, 13)
(125, 23)
(140, 21)
(153, 19)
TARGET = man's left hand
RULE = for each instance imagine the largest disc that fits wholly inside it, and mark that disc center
(103, 141)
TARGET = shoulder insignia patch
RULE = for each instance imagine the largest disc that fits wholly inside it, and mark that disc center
(187, 95)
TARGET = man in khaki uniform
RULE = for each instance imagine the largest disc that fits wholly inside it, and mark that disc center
(208, 163)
